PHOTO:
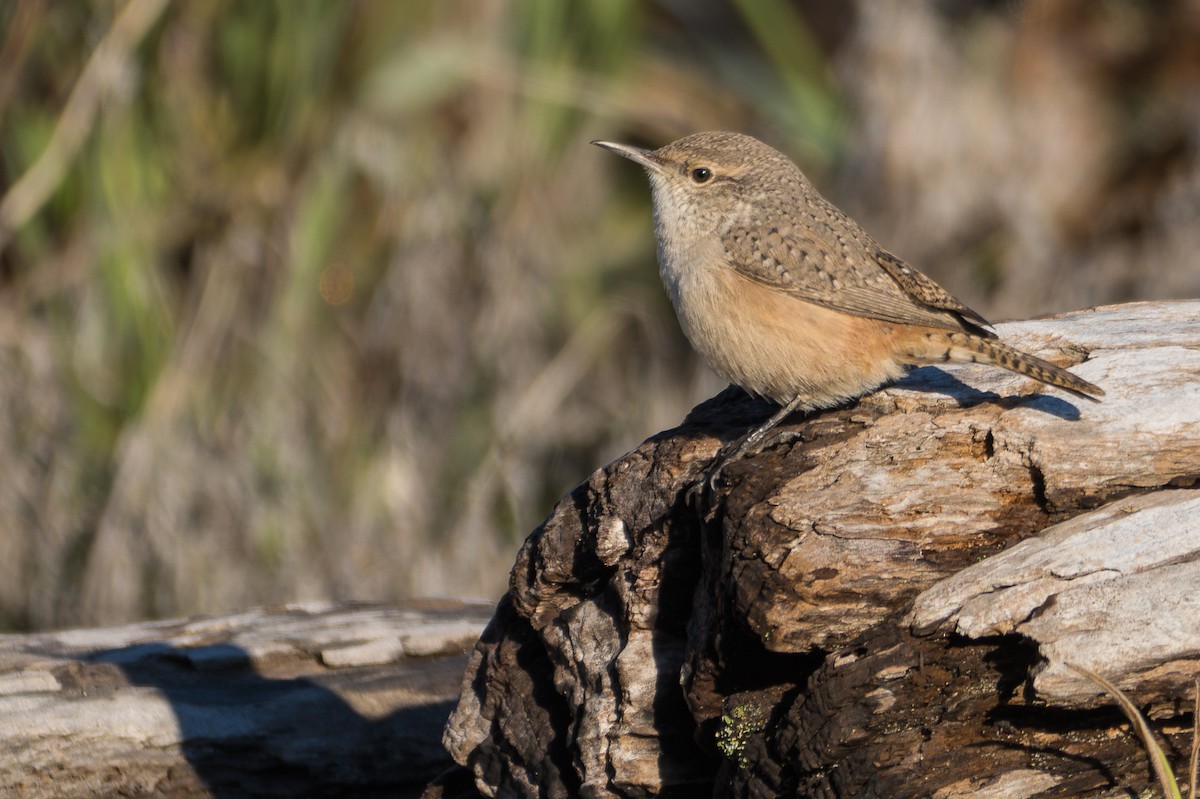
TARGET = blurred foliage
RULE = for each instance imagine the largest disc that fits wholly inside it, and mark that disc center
(330, 299)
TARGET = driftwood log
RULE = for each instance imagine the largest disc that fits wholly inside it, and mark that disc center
(883, 603)
(307, 700)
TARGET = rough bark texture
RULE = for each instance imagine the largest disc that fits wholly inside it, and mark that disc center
(312, 700)
(882, 603)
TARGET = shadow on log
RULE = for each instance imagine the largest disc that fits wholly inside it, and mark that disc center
(307, 700)
(882, 603)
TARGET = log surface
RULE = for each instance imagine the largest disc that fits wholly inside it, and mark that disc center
(304, 700)
(882, 603)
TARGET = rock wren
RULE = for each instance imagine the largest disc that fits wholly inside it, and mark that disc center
(786, 296)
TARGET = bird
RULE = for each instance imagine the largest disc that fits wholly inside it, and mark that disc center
(784, 295)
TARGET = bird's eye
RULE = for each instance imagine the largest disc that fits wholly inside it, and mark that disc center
(701, 174)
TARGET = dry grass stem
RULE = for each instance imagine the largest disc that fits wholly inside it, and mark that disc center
(1158, 758)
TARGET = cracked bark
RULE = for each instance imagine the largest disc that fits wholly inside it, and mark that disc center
(881, 604)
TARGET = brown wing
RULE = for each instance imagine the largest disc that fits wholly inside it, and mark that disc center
(924, 290)
(848, 273)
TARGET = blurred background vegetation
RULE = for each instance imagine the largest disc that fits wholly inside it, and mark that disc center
(316, 298)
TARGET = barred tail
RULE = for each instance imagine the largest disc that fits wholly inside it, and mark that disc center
(967, 348)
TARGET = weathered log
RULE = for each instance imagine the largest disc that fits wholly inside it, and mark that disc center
(305, 700)
(851, 612)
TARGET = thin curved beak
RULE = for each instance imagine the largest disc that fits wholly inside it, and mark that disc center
(636, 154)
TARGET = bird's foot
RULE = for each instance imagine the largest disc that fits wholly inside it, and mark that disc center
(748, 446)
